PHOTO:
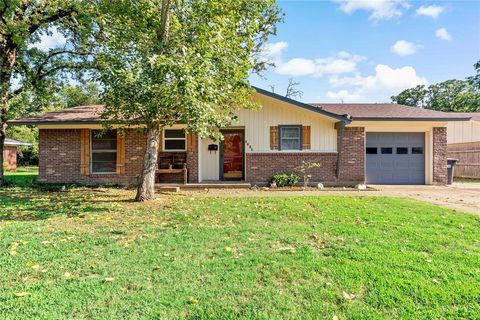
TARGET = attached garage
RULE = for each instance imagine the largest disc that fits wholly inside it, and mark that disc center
(395, 158)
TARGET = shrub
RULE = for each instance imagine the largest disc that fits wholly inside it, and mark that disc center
(285, 179)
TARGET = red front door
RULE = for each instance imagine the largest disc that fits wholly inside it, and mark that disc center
(232, 155)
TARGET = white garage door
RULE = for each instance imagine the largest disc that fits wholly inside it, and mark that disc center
(395, 158)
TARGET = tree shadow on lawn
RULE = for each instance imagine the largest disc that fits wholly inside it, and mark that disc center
(32, 204)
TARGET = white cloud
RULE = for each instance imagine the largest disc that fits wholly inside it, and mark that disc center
(387, 78)
(340, 63)
(344, 96)
(51, 40)
(443, 34)
(379, 9)
(404, 48)
(432, 11)
(297, 67)
(272, 52)
(385, 82)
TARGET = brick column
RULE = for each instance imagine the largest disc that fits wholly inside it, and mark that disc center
(440, 155)
(351, 153)
(192, 164)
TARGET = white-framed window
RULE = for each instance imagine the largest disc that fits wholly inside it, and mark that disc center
(290, 137)
(104, 151)
(174, 140)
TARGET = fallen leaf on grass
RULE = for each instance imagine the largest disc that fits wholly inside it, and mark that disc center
(435, 281)
(21, 294)
(109, 279)
(193, 301)
(349, 296)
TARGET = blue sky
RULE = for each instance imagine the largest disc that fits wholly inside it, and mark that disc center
(366, 51)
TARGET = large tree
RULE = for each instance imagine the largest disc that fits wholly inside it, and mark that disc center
(26, 70)
(164, 62)
(448, 96)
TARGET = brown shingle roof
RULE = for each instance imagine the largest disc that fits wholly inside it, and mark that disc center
(388, 111)
(81, 114)
(358, 111)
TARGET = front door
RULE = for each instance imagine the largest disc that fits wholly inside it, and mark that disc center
(231, 155)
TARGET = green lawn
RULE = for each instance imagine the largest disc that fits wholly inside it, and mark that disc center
(23, 177)
(464, 180)
(90, 253)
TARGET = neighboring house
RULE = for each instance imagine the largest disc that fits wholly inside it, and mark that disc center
(464, 145)
(10, 153)
(354, 143)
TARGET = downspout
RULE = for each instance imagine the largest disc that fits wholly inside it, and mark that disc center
(340, 126)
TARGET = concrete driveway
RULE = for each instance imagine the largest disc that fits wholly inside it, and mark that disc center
(459, 196)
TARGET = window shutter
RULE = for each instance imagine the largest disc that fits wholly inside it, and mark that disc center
(306, 145)
(85, 151)
(160, 142)
(191, 142)
(121, 152)
(274, 138)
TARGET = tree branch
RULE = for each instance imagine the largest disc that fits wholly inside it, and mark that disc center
(61, 13)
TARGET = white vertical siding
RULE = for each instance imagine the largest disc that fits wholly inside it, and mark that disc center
(463, 131)
(273, 113)
(210, 161)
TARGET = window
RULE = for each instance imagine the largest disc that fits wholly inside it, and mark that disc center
(402, 150)
(417, 150)
(387, 150)
(104, 151)
(174, 140)
(290, 137)
(372, 150)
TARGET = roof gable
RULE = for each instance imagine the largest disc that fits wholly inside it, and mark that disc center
(302, 105)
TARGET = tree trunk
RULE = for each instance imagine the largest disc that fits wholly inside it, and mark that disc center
(146, 187)
(3, 129)
(8, 56)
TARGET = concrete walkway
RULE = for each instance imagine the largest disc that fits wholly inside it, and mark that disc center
(459, 196)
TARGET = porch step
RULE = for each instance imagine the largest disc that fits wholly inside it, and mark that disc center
(174, 187)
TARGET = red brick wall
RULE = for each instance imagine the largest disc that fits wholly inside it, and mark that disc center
(10, 158)
(59, 158)
(261, 166)
(351, 148)
(440, 155)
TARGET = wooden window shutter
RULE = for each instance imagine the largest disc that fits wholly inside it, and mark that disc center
(191, 142)
(121, 153)
(274, 138)
(160, 142)
(306, 145)
(85, 151)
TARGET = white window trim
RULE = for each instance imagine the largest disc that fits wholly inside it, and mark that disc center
(174, 150)
(280, 128)
(102, 150)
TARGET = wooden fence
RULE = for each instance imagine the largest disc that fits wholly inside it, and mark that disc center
(468, 155)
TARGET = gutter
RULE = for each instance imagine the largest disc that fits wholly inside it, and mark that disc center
(410, 119)
(340, 126)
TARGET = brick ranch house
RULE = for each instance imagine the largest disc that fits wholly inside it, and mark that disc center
(354, 143)
(10, 153)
